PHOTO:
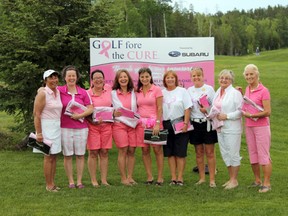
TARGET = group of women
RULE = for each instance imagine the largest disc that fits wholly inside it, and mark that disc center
(156, 109)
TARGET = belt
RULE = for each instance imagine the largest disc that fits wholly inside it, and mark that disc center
(199, 120)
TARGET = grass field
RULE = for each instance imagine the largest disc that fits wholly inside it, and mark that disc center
(22, 190)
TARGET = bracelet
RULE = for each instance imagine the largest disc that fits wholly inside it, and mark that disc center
(158, 121)
(185, 123)
(38, 134)
(250, 115)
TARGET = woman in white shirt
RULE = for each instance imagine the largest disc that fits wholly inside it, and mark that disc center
(229, 101)
(176, 104)
(202, 137)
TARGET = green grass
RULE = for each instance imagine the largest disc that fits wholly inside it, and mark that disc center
(22, 190)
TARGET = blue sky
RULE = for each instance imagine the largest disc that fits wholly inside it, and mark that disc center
(212, 6)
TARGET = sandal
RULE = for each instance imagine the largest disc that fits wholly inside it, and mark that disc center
(200, 182)
(226, 183)
(53, 189)
(264, 189)
(72, 186)
(159, 183)
(149, 182)
(126, 183)
(180, 183)
(57, 188)
(231, 186)
(80, 186)
(173, 182)
(133, 182)
(255, 184)
(212, 185)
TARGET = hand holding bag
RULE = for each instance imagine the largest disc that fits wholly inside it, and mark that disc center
(160, 139)
(42, 147)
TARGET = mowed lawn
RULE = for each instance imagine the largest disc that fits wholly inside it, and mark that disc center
(22, 188)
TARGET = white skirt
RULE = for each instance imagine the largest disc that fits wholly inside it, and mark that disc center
(51, 131)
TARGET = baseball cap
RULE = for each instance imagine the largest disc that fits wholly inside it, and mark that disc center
(47, 73)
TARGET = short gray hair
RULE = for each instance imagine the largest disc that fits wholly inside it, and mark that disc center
(229, 73)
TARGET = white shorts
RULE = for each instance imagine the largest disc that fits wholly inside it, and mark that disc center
(230, 148)
(74, 141)
(51, 131)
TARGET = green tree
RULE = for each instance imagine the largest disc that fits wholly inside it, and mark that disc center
(282, 27)
(251, 34)
(37, 35)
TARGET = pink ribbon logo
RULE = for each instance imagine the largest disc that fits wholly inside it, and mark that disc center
(106, 45)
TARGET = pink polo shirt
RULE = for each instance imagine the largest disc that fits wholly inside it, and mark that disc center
(125, 99)
(105, 99)
(53, 105)
(218, 101)
(147, 105)
(81, 97)
(258, 95)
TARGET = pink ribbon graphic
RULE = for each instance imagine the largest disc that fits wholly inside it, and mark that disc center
(106, 45)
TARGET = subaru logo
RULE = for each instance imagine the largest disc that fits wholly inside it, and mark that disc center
(174, 53)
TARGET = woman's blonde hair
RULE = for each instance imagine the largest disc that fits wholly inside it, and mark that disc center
(252, 67)
(198, 70)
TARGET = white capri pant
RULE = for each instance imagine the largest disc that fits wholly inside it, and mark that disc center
(230, 148)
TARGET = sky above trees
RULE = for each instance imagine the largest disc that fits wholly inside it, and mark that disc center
(212, 6)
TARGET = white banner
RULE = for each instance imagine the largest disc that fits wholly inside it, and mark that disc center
(159, 54)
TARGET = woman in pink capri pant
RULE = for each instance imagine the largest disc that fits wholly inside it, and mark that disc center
(258, 135)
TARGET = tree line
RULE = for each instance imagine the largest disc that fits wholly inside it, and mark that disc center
(37, 35)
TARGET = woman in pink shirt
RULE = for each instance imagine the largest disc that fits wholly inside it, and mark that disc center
(124, 133)
(47, 112)
(100, 133)
(149, 101)
(258, 135)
